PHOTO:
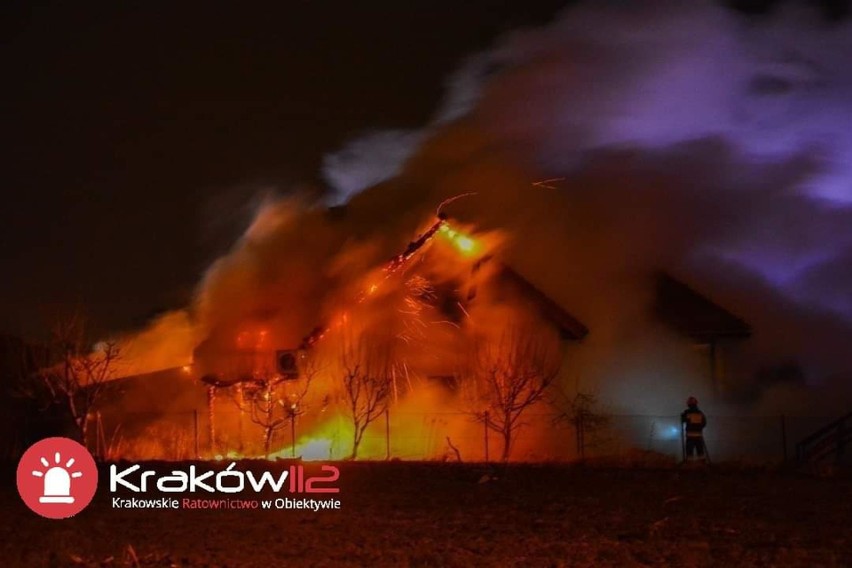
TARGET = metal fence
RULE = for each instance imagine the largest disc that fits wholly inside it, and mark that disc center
(753, 439)
(449, 436)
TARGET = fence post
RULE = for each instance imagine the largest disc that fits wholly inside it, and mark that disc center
(387, 434)
(99, 447)
(103, 436)
(211, 419)
(293, 435)
(486, 436)
(784, 436)
(577, 434)
(241, 404)
(195, 433)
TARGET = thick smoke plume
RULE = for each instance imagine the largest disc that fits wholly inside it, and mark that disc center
(621, 139)
(682, 136)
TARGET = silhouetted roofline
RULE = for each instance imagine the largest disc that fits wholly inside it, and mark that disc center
(693, 314)
(569, 326)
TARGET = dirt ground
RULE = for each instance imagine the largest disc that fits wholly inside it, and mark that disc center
(425, 514)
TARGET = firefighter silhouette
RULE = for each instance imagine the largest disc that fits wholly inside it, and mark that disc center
(693, 422)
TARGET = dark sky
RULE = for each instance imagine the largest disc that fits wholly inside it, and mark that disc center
(127, 126)
(134, 132)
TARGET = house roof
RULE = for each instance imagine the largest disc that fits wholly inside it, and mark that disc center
(693, 314)
(685, 310)
(569, 326)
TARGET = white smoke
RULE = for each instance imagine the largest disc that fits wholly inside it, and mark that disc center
(654, 75)
(368, 160)
(377, 156)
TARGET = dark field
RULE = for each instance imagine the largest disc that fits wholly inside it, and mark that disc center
(412, 514)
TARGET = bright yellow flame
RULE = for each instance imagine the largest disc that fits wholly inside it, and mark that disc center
(465, 244)
(327, 441)
(232, 455)
(313, 448)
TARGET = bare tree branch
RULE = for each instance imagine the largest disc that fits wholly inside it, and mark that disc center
(273, 401)
(79, 371)
(367, 371)
(507, 376)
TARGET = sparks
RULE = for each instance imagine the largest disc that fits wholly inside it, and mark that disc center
(548, 183)
(444, 203)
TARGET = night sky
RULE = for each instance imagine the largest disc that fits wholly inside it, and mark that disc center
(135, 136)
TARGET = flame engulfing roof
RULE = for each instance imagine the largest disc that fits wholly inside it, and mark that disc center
(693, 314)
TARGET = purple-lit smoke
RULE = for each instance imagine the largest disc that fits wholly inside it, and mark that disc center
(652, 76)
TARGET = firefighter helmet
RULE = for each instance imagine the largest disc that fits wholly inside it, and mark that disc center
(692, 401)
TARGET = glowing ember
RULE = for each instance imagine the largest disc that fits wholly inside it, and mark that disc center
(464, 244)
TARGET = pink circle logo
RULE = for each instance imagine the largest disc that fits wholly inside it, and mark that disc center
(57, 478)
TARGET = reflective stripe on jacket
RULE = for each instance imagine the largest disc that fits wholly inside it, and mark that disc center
(695, 422)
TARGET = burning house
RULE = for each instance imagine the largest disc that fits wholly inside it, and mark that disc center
(394, 366)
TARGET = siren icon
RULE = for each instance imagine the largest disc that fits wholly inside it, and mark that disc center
(57, 478)
(57, 481)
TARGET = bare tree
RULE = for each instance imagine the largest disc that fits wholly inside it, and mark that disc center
(21, 373)
(582, 411)
(509, 375)
(266, 408)
(367, 383)
(78, 379)
(22, 395)
(273, 401)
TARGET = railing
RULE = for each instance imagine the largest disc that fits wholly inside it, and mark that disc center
(829, 440)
